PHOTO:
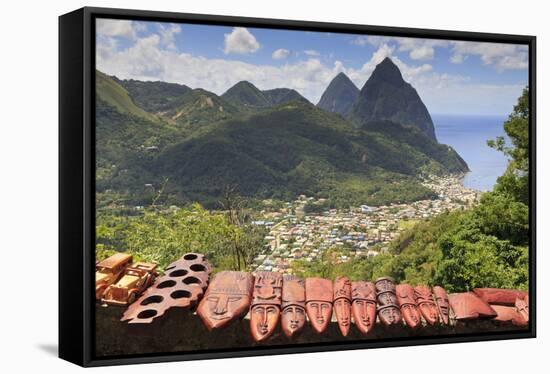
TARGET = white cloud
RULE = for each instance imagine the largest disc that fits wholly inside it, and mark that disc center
(280, 54)
(419, 49)
(149, 58)
(240, 41)
(168, 35)
(502, 56)
(311, 52)
(112, 28)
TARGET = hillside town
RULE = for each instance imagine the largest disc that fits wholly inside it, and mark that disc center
(358, 231)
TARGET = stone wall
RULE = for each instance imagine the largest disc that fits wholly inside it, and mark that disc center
(181, 330)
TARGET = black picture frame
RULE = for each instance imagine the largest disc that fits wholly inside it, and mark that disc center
(77, 181)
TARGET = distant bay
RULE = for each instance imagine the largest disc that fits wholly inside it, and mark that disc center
(468, 135)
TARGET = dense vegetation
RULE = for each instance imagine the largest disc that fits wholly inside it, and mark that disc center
(163, 236)
(487, 246)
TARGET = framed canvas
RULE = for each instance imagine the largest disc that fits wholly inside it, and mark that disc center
(234, 186)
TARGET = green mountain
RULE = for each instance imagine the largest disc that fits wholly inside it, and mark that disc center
(246, 95)
(298, 148)
(386, 96)
(340, 95)
(200, 107)
(207, 143)
(154, 97)
(118, 97)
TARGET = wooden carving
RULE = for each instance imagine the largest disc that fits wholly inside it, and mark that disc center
(227, 297)
(319, 303)
(522, 306)
(426, 304)
(266, 304)
(293, 315)
(388, 310)
(442, 301)
(468, 305)
(499, 296)
(181, 286)
(508, 314)
(363, 305)
(342, 303)
(407, 305)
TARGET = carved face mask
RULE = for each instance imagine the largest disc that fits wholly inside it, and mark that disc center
(293, 316)
(227, 297)
(407, 305)
(389, 315)
(342, 303)
(266, 304)
(388, 310)
(319, 303)
(363, 306)
(442, 300)
(426, 304)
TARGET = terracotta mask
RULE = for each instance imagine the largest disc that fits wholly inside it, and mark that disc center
(388, 310)
(266, 304)
(468, 306)
(442, 300)
(363, 305)
(319, 303)
(407, 304)
(293, 316)
(227, 298)
(499, 296)
(426, 304)
(342, 303)
(522, 306)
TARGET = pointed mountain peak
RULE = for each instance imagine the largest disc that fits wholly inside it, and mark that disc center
(387, 97)
(243, 84)
(340, 95)
(388, 71)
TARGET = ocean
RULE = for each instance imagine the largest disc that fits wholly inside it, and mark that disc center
(468, 135)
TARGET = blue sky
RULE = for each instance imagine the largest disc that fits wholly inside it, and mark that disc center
(452, 77)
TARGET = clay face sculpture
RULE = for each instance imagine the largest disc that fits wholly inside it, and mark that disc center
(498, 296)
(442, 301)
(266, 304)
(407, 304)
(181, 286)
(468, 306)
(227, 297)
(363, 305)
(426, 304)
(319, 303)
(293, 315)
(388, 310)
(342, 303)
(522, 306)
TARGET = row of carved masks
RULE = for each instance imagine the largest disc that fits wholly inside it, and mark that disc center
(232, 294)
